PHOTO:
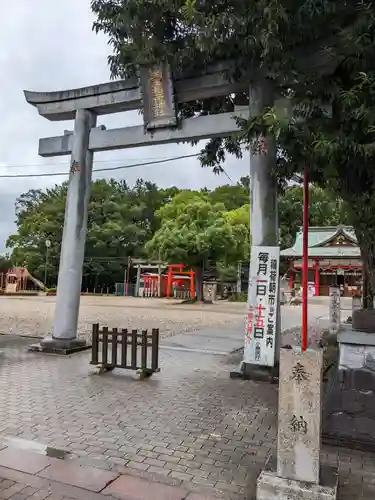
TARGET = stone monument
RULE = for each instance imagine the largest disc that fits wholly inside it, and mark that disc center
(334, 309)
(296, 472)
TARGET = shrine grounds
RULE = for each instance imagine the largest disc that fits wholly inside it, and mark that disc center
(33, 316)
(189, 426)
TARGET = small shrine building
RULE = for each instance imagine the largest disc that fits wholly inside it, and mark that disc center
(334, 259)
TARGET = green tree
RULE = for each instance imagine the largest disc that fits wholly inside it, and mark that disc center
(239, 219)
(283, 38)
(121, 220)
(196, 232)
(39, 217)
(232, 197)
(5, 263)
(325, 210)
(318, 53)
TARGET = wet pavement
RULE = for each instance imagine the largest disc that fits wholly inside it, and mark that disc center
(189, 426)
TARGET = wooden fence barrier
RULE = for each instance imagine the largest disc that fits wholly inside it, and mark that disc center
(120, 349)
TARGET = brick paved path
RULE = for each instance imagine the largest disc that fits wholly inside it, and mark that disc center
(20, 491)
(189, 426)
(58, 479)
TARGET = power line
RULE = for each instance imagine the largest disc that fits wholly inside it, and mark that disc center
(110, 169)
(53, 164)
(152, 161)
(229, 177)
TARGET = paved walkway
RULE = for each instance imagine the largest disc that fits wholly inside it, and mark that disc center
(27, 475)
(190, 427)
(69, 481)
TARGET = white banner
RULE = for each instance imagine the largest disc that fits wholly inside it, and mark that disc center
(263, 296)
(334, 309)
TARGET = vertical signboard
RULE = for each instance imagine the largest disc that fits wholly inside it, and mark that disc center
(334, 309)
(263, 296)
(159, 109)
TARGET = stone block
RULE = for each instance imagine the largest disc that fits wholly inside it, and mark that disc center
(272, 487)
(133, 488)
(249, 371)
(62, 347)
(88, 478)
(347, 335)
(24, 461)
(299, 417)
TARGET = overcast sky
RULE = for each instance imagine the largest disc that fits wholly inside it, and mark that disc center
(49, 45)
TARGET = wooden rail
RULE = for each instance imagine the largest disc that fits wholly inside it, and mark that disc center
(124, 349)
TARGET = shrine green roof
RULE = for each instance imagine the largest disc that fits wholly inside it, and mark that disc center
(319, 237)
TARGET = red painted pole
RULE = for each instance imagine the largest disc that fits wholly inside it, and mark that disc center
(305, 262)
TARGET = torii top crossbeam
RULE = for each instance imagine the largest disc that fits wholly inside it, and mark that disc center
(158, 106)
(126, 95)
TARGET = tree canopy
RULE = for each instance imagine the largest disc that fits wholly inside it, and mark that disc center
(325, 210)
(121, 220)
(145, 220)
(319, 54)
(196, 232)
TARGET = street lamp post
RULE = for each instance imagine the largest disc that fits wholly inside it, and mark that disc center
(48, 245)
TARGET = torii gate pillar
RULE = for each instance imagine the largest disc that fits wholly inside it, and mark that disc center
(64, 335)
(262, 334)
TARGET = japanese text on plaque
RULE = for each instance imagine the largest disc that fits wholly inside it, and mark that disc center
(158, 102)
(262, 310)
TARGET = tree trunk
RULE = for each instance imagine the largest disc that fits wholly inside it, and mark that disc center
(368, 287)
(364, 225)
(199, 282)
(367, 295)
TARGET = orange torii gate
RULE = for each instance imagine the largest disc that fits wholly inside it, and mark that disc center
(179, 269)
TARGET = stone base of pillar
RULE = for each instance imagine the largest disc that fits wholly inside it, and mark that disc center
(248, 371)
(272, 487)
(60, 346)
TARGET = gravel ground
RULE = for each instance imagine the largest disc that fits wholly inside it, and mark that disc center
(33, 316)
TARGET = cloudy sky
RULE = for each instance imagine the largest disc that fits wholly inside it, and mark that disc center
(46, 46)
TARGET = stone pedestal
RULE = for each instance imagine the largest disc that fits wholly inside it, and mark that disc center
(356, 303)
(349, 408)
(246, 371)
(296, 472)
(272, 487)
(209, 292)
(56, 346)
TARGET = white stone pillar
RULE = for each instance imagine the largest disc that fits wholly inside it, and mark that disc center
(137, 286)
(74, 235)
(263, 185)
(239, 281)
(297, 472)
(299, 422)
(263, 217)
(334, 309)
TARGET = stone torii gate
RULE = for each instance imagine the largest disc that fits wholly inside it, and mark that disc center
(159, 95)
